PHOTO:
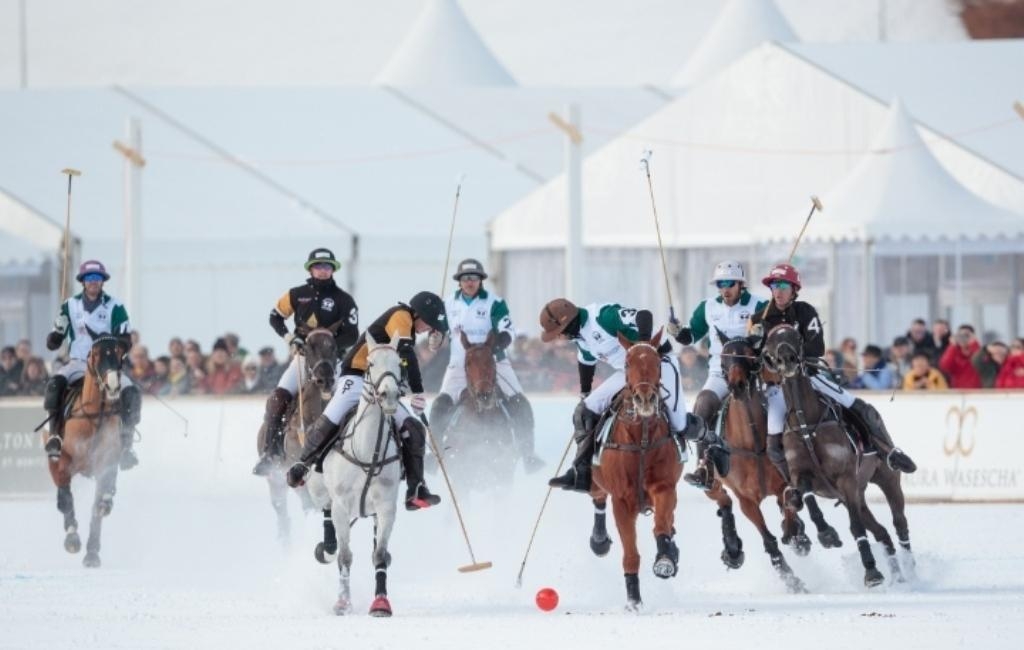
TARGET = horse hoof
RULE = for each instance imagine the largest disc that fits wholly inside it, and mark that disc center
(72, 543)
(829, 538)
(380, 607)
(873, 577)
(634, 606)
(795, 585)
(733, 561)
(665, 568)
(321, 554)
(600, 547)
(91, 560)
(342, 607)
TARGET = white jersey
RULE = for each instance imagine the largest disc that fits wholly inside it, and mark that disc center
(483, 314)
(713, 316)
(597, 338)
(109, 317)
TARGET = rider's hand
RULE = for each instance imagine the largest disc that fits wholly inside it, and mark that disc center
(295, 342)
(757, 329)
(54, 340)
(434, 340)
(673, 327)
(685, 336)
(418, 403)
(60, 324)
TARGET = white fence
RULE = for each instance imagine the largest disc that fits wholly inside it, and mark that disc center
(969, 446)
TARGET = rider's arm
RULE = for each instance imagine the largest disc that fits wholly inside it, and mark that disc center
(281, 311)
(55, 338)
(698, 325)
(586, 376)
(616, 320)
(810, 328)
(349, 331)
(501, 324)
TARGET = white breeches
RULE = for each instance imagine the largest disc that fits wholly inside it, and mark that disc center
(290, 378)
(671, 394)
(346, 397)
(455, 380)
(777, 402)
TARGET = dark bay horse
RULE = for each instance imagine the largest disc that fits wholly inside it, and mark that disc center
(824, 458)
(92, 444)
(479, 443)
(639, 467)
(317, 364)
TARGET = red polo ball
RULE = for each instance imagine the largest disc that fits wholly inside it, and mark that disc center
(547, 599)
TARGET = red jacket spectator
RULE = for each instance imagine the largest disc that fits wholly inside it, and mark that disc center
(957, 366)
(1011, 374)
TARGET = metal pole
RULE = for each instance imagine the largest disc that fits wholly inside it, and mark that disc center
(574, 288)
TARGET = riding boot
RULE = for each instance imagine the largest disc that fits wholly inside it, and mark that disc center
(777, 454)
(577, 478)
(880, 438)
(131, 413)
(273, 438)
(414, 444)
(717, 449)
(441, 411)
(706, 407)
(53, 403)
(319, 438)
(522, 419)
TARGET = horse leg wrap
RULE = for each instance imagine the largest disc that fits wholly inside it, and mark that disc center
(277, 406)
(777, 454)
(131, 414)
(330, 535)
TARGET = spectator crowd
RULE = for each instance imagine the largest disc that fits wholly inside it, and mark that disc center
(926, 358)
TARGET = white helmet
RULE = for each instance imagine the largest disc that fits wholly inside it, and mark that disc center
(728, 270)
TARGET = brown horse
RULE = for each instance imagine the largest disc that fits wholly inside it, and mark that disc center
(639, 467)
(478, 439)
(823, 457)
(92, 444)
(318, 362)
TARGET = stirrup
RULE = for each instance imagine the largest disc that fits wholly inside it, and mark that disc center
(53, 446)
(900, 462)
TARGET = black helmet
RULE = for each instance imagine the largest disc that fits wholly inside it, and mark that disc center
(430, 309)
(469, 266)
(320, 256)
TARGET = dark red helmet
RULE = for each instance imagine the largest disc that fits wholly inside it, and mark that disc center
(785, 272)
(89, 267)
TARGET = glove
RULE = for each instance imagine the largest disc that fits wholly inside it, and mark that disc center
(295, 342)
(434, 340)
(757, 329)
(60, 324)
(54, 340)
(418, 403)
(685, 336)
(673, 327)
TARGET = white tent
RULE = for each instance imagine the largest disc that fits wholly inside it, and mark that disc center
(741, 26)
(748, 146)
(443, 49)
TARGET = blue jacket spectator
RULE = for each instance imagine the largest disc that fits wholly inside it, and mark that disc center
(877, 375)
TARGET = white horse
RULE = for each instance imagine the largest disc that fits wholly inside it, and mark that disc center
(361, 478)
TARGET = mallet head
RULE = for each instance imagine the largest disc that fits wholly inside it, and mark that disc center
(817, 203)
(71, 172)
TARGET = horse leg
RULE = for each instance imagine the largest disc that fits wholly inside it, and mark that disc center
(827, 535)
(103, 503)
(752, 509)
(793, 530)
(889, 482)
(279, 500)
(882, 537)
(600, 543)
(66, 505)
(326, 549)
(625, 521)
(381, 607)
(343, 605)
(854, 505)
(666, 562)
(732, 551)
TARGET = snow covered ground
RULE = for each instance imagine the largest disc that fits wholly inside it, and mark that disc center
(201, 567)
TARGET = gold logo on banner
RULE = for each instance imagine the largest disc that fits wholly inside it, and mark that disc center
(956, 441)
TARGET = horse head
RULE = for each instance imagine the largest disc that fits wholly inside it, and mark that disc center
(739, 360)
(383, 373)
(643, 374)
(106, 358)
(321, 356)
(784, 350)
(481, 371)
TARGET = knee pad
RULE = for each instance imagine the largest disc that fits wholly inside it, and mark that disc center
(54, 395)
(131, 405)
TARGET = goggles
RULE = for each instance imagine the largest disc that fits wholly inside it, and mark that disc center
(92, 277)
(322, 266)
(781, 284)
(725, 284)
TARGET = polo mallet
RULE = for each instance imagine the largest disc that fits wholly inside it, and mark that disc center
(815, 205)
(451, 232)
(543, 505)
(475, 566)
(645, 161)
(71, 173)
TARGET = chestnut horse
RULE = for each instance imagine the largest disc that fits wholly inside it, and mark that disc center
(92, 444)
(823, 457)
(639, 466)
(478, 441)
(317, 363)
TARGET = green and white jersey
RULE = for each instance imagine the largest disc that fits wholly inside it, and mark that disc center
(599, 325)
(713, 313)
(109, 317)
(477, 317)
